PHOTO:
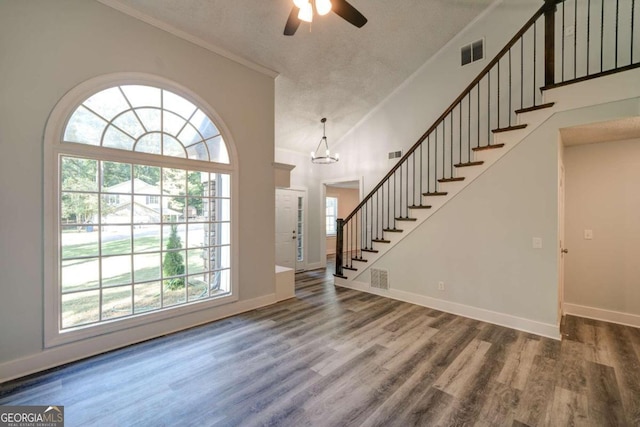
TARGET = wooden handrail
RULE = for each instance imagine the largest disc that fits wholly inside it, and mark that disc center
(465, 92)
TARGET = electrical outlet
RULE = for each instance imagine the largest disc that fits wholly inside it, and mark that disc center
(537, 243)
(588, 234)
(441, 286)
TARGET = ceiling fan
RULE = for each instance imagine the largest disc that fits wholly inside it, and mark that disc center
(303, 10)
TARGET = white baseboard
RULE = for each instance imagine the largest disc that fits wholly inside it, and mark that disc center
(610, 316)
(61, 355)
(316, 265)
(514, 322)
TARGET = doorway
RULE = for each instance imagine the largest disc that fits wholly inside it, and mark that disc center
(339, 199)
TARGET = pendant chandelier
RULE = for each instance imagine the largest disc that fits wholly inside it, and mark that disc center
(328, 157)
(322, 7)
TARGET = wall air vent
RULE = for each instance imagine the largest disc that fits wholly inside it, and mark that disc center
(379, 278)
(395, 155)
(472, 52)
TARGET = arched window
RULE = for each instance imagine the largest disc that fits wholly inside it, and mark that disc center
(143, 221)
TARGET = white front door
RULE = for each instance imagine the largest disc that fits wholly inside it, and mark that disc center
(286, 222)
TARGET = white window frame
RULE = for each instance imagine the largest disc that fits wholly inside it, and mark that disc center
(54, 148)
(335, 215)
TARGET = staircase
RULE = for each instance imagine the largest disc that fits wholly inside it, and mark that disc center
(507, 101)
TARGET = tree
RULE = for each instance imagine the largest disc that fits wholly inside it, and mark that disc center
(173, 262)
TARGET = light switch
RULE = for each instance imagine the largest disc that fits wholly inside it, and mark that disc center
(588, 234)
(537, 243)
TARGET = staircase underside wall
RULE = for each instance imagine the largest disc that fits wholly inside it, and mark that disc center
(480, 244)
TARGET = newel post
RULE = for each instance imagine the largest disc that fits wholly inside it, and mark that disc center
(550, 42)
(339, 246)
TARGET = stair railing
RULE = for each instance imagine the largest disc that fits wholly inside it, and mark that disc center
(539, 56)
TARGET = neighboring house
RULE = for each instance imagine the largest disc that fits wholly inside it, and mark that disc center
(148, 204)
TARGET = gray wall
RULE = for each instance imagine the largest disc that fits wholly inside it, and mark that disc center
(47, 48)
(602, 196)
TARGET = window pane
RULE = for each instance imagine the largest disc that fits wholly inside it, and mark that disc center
(116, 177)
(76, 241)
(218, 150)
(116, 270)
(196, 261)
(198, 151)
(147, 179)
(130, 124)
(150, 143)
(147, 267)
(177, 104)
(84, 127)
(196, 236)
(147, 297)
(142, 96)
(189, 136)
(201, 122)
(146, 238)
(150, 119)
(107, 103)
(171, 123)
(173, 292)
(116, 240)
(116, 302)
(114, 138)
(198, 287)
(80, 308)
(173, 236)
(79, 208)
(79, 174)
(79, 274)
(116, 209)
(172, 147)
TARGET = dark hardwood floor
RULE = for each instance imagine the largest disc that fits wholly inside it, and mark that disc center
(337, 357)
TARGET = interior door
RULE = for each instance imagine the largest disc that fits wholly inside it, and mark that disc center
(286, 224)
(562, 250)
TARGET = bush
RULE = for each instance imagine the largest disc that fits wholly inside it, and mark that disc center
(173, 261)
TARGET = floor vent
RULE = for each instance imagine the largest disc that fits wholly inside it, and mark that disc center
(379, 279)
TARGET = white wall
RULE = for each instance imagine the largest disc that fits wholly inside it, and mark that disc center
(49, 47)
(602, 196)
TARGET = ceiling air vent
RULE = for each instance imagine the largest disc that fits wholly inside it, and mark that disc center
(472, 52)
(379, 279)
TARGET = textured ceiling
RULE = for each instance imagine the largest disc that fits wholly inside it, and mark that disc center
(328, 69)
(616, 130)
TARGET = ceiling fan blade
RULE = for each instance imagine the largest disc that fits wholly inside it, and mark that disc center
(293, 22)
(348, 13)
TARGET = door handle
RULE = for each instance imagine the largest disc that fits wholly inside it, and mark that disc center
(293, 238)
(565, 251)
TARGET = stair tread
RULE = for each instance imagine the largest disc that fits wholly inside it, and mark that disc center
(373, 251)
(452, 179)
(535, 108)
(488, 147)
(381, 241)
(435, 193)
(340, 276)
(509, 128)
(349, 268)
(419, 207)
(359, 259)
(392, 230)
(467, 164)
(406, 219)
